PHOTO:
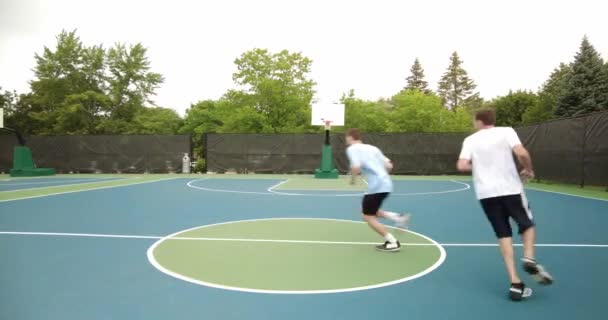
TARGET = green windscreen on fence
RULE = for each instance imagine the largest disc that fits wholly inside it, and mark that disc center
(424, 153)
(102, 153)
(573, 150)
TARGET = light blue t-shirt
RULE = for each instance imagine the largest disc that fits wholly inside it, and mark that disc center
(373, 167)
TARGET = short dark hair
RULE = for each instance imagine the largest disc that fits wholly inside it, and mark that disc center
(354, 133)
(487, 116)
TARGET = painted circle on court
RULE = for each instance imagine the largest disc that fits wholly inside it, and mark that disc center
(276, 190)
(293, 256)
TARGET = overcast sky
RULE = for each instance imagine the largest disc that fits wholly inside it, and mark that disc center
(368, 45)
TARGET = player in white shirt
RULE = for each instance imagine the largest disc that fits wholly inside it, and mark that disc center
(499, 188)
(369, 161)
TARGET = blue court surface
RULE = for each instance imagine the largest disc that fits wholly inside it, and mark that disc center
(89, 255)
(12, 184)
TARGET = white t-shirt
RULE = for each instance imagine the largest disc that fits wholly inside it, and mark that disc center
(491, 154)
(373, 167)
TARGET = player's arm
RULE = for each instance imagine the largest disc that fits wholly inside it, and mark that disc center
(464, 163)
(354, 171)
(522, 154)
(388, 164)
(355, 165)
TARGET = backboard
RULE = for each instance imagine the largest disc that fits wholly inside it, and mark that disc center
(322, 112)
(1, 118)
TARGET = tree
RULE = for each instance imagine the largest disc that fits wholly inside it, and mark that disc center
(586, 88)
(131, 83)
(62, 76)
(277, 86)
(416, 80)
(417, 112)
(455, 85)
(548, 96)
(510, 108)
(8, 101)
(155, 121)
(202, 117)
(368, 116)
(473, 103)
(86, 90)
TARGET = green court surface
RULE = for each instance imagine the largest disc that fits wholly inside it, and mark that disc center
(292, 256)
(277, 247)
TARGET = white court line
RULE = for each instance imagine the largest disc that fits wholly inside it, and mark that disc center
(189, 184)
(276, 185)
(91, 189)
(157, 265)
(271, 190)
(567, 194)
(144, 237)
(60, 185)
(60, 181)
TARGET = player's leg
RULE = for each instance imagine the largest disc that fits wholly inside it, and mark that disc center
(371, 204)
(499, 219)
(508, 255)
(400, 219)
(519, 210)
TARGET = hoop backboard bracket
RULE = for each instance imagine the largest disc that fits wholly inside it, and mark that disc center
(323, 112)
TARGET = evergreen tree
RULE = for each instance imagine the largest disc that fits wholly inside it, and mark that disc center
(455, 85)
(548, 95)
(586, 88)
(416, 80)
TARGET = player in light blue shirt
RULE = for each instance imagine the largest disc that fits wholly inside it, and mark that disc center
(369, 161)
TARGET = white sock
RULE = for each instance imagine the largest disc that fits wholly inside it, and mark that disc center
(392, 215)
(389, 237)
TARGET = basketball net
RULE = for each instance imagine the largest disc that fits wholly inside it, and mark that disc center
(327, 124)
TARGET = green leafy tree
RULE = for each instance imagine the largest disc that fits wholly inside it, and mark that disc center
(203, 117)
(455, 86)
(63, 75)
(277, 86)
(416, 112)
(511, 108)
(473, 103)
(155, 121)
(548, 96)
(416, 80)
(8, 102)
(368, 116)
(586, 88)
(131, 83)
(86, 90)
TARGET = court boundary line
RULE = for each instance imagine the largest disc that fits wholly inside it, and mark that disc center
(152, 260)
(91, 189)
(271, 191)
(145, 237)
(566, 194)
(61, 185)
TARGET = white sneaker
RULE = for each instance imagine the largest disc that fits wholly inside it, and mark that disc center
(404, 220)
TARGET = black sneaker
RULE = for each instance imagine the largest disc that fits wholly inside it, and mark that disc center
(519, 291)
(389, 247)
(537, 271)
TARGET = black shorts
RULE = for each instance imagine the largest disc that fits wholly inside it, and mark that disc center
(500, 209)
(372, 203)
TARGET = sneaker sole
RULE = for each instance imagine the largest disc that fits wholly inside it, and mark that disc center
(538, 274)
(515, 296)
(388, 250)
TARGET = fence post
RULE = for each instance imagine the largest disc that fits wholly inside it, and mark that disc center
(582, 180)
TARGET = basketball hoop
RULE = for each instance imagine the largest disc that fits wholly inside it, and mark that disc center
(327, 124)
